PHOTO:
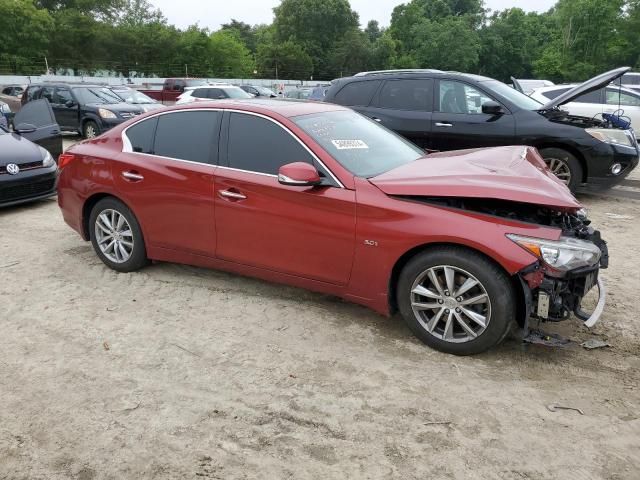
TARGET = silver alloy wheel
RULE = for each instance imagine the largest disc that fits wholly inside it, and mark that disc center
(560, 168)
(90, 131)
(114, 236)
(451, 304)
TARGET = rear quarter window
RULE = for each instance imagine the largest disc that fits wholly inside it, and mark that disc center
(141, 135)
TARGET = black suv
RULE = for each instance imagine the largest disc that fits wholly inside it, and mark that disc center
(87, 109)
(448, 111)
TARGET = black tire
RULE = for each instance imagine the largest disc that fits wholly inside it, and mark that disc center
(573, 164)
(90, 129)
(138, 258)
(496, 283)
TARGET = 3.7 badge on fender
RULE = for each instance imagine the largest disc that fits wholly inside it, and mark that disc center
(13, 169)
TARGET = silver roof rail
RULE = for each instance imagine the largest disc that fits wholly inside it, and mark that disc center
(399, 71)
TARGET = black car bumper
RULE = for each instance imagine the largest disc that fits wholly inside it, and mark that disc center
(28, 186)
(600, 162)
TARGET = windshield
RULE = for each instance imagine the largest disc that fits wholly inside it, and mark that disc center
(235, 92)
(96, 95)
(360, 145)
(132, 96)
(520, 100)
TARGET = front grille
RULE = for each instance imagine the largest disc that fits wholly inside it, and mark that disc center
(23, 167)
(26, 190)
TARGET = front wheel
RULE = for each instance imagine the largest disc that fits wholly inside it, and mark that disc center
(563, 165)
(116, 236)
(90, 129)
(456, 300)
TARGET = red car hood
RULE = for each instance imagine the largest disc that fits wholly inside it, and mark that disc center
(507, 173)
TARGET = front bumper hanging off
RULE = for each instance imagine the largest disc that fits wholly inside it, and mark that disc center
(591, 320)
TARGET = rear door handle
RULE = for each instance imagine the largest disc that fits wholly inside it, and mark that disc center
(132, 176)
(232, 195)
(440, 124)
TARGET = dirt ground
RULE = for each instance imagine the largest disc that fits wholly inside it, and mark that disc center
(180, 372)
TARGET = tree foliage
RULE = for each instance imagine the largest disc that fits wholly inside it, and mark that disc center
(322, 39)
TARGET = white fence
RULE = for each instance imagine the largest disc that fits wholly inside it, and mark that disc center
(152, 83)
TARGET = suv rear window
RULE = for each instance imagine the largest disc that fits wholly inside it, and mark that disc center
(357, 93)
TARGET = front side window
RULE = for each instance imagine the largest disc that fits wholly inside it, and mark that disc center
(406, 95)
(458, 97)
(362, 146)
(189, 136)
(617, 97)
(200, 93)
(47, 92)
(357, 94)
(260, 145)
(591, 97)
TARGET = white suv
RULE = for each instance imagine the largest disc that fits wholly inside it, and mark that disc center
(211, 92)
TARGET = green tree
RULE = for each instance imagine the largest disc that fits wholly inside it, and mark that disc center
(373, 31)
(283, 60)
(351, 55)
(229, 56)
(449, 44)
(244, 32)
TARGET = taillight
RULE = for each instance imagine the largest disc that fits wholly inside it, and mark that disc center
(65, 159)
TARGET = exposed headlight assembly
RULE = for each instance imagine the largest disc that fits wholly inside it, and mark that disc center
(47, 159)
(612, 135)
(104, 113)
(564, 255)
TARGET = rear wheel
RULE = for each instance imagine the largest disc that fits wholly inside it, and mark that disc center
(116, 236)
(90, 129)
(456, 300)
(563, 165)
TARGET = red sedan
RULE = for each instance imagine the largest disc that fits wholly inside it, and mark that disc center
(464, 244)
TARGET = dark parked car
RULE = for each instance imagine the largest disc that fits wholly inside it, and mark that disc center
(258, 91)
(28, 170)
(447, 110)
(299, 93)
(86, 109)
(464, 244)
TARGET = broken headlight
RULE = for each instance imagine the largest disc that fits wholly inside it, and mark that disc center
(564, 254)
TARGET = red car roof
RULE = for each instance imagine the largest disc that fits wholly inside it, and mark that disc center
(285, 108)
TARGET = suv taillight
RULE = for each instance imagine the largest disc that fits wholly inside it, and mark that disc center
(65, 159)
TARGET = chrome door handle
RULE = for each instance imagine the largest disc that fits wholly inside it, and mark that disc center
(132, 176)
(233, 195)
(375, 119)
(440, 124)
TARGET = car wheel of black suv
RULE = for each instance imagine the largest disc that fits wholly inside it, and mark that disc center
(563, 165)
(90, 129)
(456, 300)
(116, 236)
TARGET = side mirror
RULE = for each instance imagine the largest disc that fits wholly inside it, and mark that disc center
(492, 108)
(299, 174)
(69, 103)
(25, 128)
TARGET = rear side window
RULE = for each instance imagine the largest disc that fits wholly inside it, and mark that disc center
(259, 145)
(357, 93)
(217, 93)
(407, 95)
(142, 134)
(47, 92)
(62, 96)
(189, 136)
(200, 93)
(591, 97)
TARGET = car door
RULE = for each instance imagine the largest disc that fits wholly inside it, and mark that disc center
(458, 121)
(66, 109)
(38, 117)
(627, 102)
(303, 231)
(165, 174)
(405, 106)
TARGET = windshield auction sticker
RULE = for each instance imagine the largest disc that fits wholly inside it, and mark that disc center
(349, 144)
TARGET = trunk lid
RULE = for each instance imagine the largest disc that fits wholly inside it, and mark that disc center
(515, 173)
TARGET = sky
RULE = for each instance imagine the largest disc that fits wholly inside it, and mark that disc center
(211, 13)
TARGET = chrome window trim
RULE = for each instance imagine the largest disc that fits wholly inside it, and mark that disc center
(128, 148)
